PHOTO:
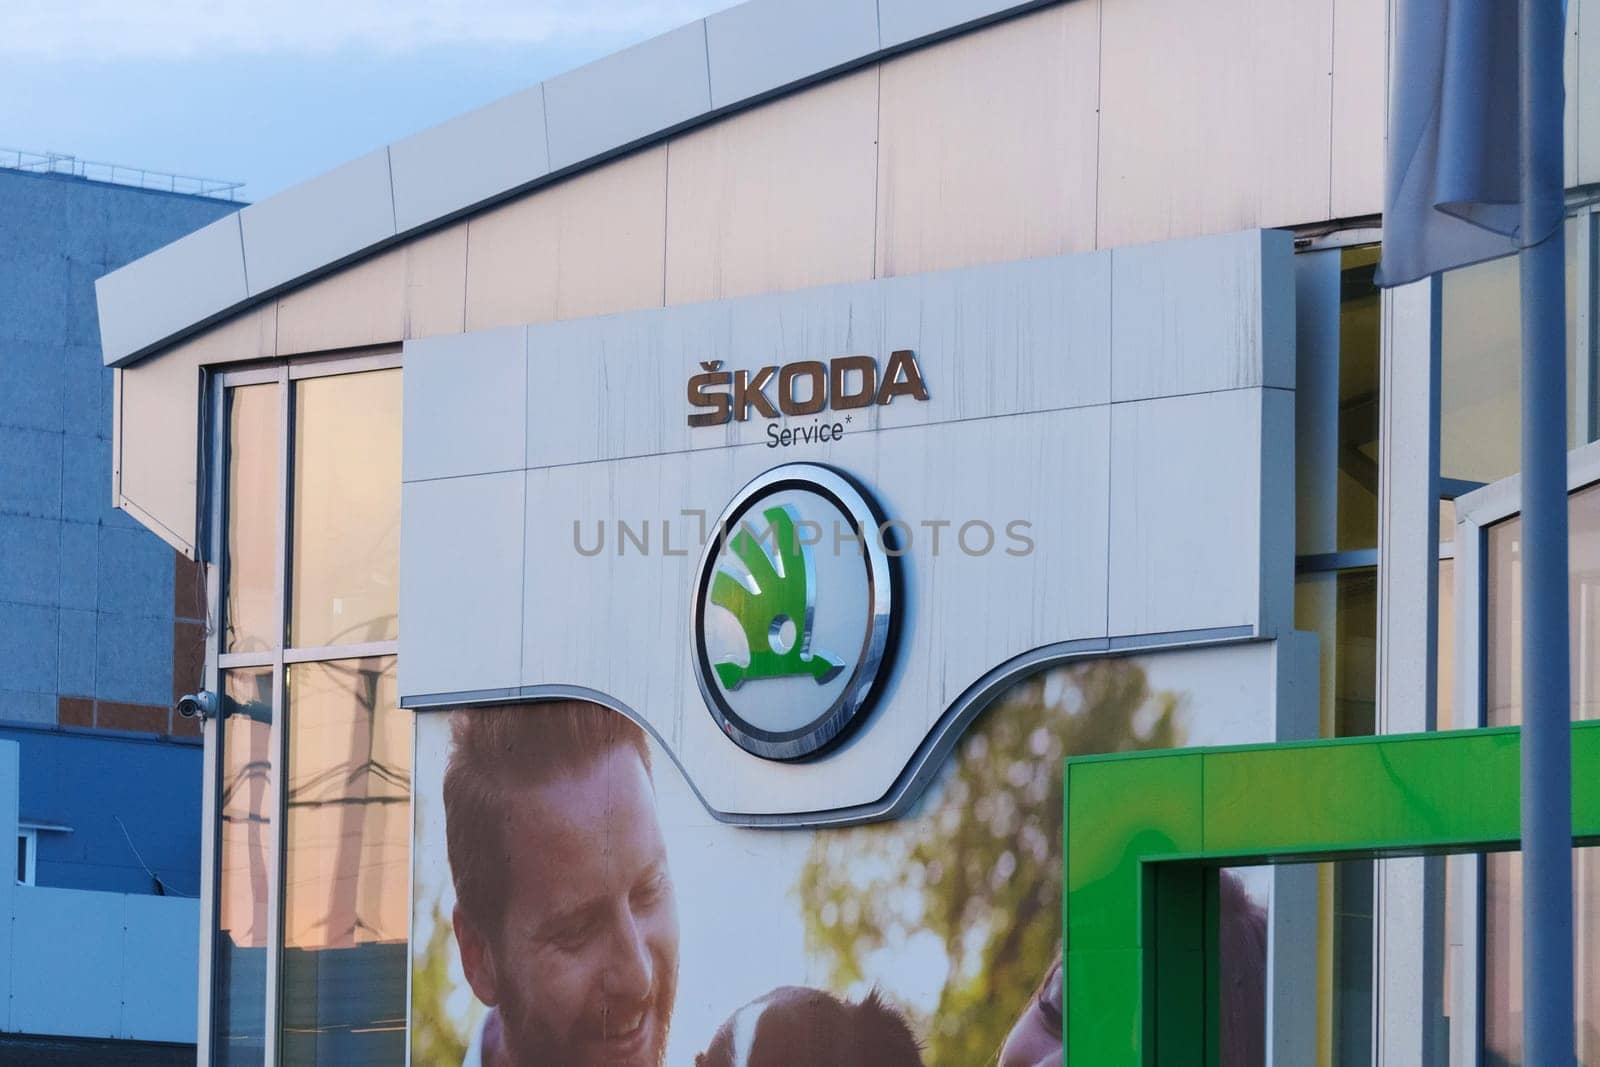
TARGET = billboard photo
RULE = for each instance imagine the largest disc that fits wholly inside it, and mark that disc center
(576, 904)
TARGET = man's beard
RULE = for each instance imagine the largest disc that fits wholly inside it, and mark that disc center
(531, 1041)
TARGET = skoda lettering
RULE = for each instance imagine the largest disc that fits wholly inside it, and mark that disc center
(804, 388)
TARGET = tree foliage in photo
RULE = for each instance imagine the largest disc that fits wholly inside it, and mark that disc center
(975, 872)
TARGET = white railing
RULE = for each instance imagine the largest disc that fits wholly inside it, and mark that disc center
(116, 173)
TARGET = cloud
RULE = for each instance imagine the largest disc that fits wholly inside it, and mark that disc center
(177, 29)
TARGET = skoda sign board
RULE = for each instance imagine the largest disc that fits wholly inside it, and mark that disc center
(792, 612)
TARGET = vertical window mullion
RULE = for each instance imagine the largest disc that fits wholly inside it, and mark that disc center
(212, 575)
(279, 738)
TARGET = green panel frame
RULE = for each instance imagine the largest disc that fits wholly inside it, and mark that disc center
(1146, 834)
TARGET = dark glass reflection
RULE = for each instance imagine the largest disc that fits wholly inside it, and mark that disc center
(347, 854)
(1336, 420)
(244, 842)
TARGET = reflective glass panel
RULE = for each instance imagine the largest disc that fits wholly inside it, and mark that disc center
(243, 858)
(254, 416)
(1503, 871)
(346, 564)
(1337, 421)
(1341, 607)
(1447, 645)
(1480, 360)
(347, 851)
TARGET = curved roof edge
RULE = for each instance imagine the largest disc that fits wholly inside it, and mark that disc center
(731, 60)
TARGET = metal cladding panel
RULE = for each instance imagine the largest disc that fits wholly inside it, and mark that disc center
(904, 21)
(413, 290)
(469, 159)
(140, 305)
(66, 962)
(466, 404)
(319, 222)
(988, 145)
(1572, 102)
(1585, 94)
(615, 101)
(764, 44)
(586, 247)
(1210, 120)
(980, 332)
(1186, 495)
(753, 207)
(1193, 316)
(461, 541)
(156, 447)
(160, 958)
(1360, 106)
(1143, 519)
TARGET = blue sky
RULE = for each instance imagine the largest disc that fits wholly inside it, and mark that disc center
(271, 92)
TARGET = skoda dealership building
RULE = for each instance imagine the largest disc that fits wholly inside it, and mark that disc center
(664, 531)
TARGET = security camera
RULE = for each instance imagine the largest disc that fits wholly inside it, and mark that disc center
(203, 704)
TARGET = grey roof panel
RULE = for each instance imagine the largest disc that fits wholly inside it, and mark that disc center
(765, 45)
(329, 218)
(172, 289)
(469, 159)
(626, 97)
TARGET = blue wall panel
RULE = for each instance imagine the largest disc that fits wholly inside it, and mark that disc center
(135, 574)
(28, 647)
(32, 383)
(133, 658)
(89, 782)
(80, 579)
(86, 478)
(75, 652)
(30, 560)
(27, 707)
(30, 472)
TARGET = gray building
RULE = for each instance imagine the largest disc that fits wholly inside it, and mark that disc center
(100, 625)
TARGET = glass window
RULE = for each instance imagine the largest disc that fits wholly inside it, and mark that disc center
(311, 914)
(1446, 681)
(1337, 421)
(243, 849)
(1341, 607)
(346, 864)
(347, 509)
(1336, 597)
(1503, 872)
(1480, 365)
(254, 415)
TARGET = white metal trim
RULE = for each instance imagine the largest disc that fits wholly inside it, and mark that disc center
(336, 652)
(232, 660)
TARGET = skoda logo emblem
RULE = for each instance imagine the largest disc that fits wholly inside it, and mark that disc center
(792, 612)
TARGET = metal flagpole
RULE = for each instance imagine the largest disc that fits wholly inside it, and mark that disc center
(1548, 1034)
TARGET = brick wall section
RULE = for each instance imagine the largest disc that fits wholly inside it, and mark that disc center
(91, 629)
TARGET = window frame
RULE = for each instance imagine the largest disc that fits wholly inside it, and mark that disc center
(213, 488)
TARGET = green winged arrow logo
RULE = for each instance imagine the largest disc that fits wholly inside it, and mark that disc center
(778, 592)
